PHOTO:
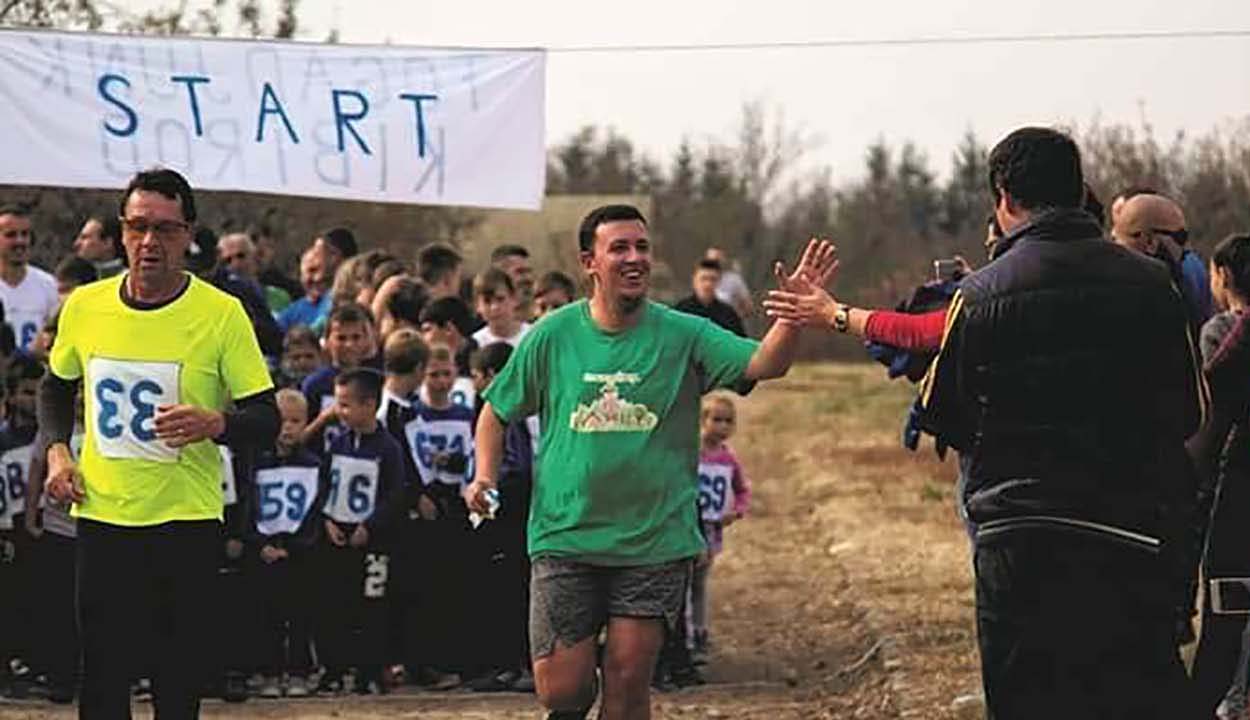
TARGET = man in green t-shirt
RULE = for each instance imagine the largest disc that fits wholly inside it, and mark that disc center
(616, 382)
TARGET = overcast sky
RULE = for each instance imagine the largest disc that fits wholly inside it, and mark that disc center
(847, 97)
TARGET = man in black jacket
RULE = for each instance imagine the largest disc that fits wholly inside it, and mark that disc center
(703, 301)
(1067, 381)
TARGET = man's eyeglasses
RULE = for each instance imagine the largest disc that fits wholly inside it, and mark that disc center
(232, 258)
(162, 229)
(1179, 236)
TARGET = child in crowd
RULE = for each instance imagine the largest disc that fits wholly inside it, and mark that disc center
(555, 290)
(495, 299)
(284, 530)
(440, 443)
(503, 586)
(724, 497)
(348, 343)
(301, 357)
(447, 321)
(55, 532)
(404, 356)
(17, 569)
(233, 645)
(364, 474)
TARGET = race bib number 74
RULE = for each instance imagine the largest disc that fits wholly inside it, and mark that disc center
(124, 396)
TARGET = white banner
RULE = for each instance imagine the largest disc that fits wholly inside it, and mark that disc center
(377, 123)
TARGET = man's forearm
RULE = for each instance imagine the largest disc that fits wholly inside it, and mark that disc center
(55, 410)
(488, 444)
(776, 352)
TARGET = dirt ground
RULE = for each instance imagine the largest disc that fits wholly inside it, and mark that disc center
(846, 594)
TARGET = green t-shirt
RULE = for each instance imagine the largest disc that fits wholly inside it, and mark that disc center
(616, 478)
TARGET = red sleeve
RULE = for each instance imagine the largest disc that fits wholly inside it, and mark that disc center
(906, 331)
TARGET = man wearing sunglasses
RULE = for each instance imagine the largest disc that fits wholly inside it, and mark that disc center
(1154, 225)
(160, 354)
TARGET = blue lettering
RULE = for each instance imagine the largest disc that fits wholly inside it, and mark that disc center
(416, 101)
(192, 81)
(270, 105)
(108, 408)
(131, 118)
(144, 411)
(344, 120)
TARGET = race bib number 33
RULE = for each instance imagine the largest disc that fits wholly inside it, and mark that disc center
(125, 395)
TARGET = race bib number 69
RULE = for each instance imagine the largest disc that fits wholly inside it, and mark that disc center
(125, 395)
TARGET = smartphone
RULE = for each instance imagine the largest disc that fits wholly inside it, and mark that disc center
(947, 270)
(1230, 596)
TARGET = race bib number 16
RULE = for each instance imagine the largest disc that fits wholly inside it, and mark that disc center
(125, 395)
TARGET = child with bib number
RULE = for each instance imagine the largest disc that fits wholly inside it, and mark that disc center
(364, 474)
(286, 486)
(724, 496)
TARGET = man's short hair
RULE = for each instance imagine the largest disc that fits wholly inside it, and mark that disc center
(1094, 206)
(601, 215)
(708, 264)
(491, 282)
(165, 182)
(1039, 168)
(15, 209)
(449, 310)
(502, 252)
(342, 240)
(364, 383)
(111, 230)
(407, 301)
(490, 359)
(348, 313)
(556, 280)
(436, 261)
(404, 352)
(76, 270)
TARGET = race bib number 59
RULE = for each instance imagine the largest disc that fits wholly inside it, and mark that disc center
(125, 395)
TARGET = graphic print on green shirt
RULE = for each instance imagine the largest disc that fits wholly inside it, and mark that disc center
(616, 481)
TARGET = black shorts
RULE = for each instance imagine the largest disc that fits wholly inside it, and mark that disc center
(571, 601)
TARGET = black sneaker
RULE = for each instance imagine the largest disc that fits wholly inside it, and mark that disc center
(235, 688)
(330, 685)
(61, 694)
(684, 676)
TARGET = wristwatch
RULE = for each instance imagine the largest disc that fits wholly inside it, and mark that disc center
(842, 318)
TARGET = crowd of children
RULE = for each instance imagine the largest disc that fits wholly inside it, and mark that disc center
(348, 559)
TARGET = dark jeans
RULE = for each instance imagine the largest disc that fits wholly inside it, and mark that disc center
(352, 624)
(58, 630)
(145, 602)
(1076, 627)
(286, 598)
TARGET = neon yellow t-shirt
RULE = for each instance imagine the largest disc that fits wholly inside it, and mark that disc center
(199, 349)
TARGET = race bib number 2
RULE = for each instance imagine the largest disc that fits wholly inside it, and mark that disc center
(125, 395)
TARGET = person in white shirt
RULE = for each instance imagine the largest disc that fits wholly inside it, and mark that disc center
(28, 293)
(494, 297)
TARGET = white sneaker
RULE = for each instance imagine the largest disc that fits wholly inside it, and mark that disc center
(270, 688)
(297, 687)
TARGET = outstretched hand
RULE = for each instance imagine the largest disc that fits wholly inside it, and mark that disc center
(817, 267)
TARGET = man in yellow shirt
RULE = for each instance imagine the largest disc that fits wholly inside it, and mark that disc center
(160, 355)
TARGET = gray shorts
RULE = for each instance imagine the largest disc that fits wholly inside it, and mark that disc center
(571, 601)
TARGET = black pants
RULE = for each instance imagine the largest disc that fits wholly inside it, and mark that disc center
(147, 583)
(287, 609)
(352, 628)
(58, 645)
(1077, 628)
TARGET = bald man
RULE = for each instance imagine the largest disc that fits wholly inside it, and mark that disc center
(1154, 225)
(237, 253)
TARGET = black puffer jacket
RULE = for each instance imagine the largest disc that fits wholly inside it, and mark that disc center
(1068, 381)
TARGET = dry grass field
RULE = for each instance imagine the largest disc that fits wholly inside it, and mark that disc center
(846, 594)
